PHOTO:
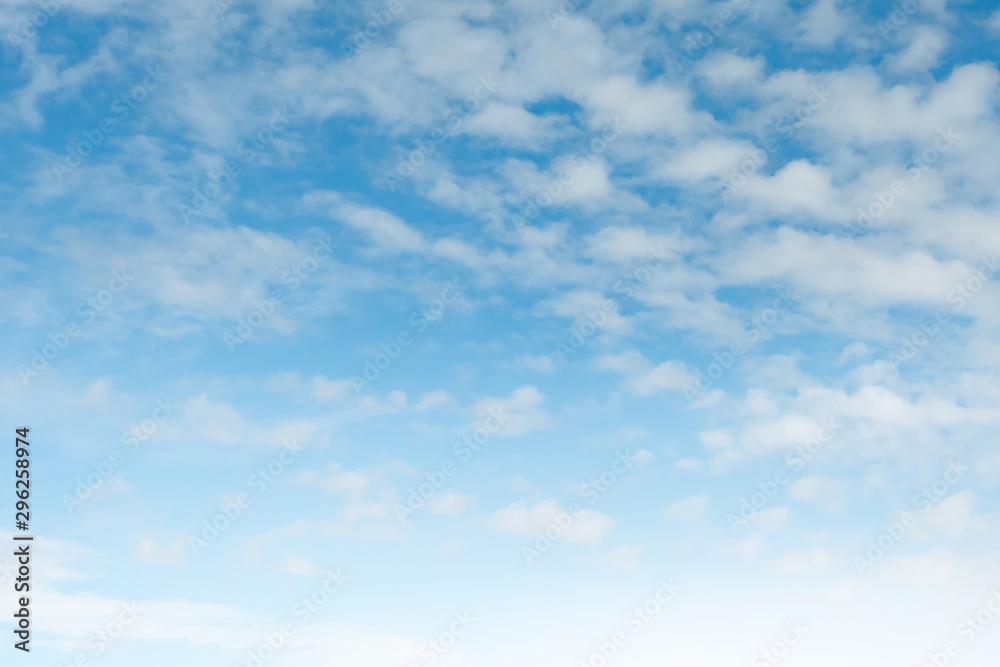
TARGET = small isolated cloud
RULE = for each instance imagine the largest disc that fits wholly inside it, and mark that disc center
(522, 411)
(689, 509)
(394, 403)
(642, 457)
(689, 464)
(296, 565)
(586, 526)
(537, 364)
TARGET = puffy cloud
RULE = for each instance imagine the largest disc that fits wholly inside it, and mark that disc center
(825, 492)
(584, 527)
(521, 411)
(450, 504)
(644, 379)
(691, 508)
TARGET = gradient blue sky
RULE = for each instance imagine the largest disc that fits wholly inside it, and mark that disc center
(705, 291)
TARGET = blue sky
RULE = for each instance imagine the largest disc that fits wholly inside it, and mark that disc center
(515, 333)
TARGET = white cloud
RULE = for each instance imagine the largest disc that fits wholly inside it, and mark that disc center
(432, 400)
(295, 565)
(584, 527)
(923, 52)
(865, 109)
(691, 508)
(385, 229)
(689, 464)
(513, 123)
(331, 390)
(200, 417)
(771, 518)
(706, 159)
(450, 504)
(993, 23)
(650, 109)
(953, 515)
(148, 551)
(824, 492)
(622, 558)
(642, 457)
(642, 378)
(537, 364)
(726, 70)
(746, 546)
(798, 187)
(855, 349)
(522, 411)
(822, 24)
